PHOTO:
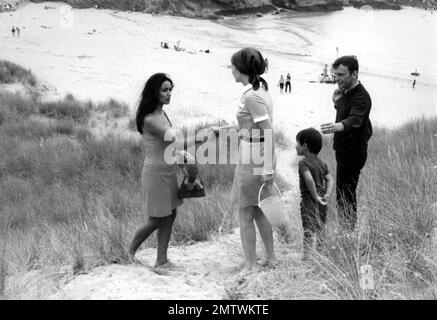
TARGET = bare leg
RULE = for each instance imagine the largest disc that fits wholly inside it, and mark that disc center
(143, 233)
(164, 234)
(266, 232)
(248, 236)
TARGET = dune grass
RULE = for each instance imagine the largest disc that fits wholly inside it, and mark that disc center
(69, 198)
(397, 215)
(13, 73)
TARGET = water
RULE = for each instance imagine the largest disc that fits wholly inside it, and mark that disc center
(387, 43)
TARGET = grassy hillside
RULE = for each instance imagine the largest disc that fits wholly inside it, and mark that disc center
(70, 198)
(396, 233)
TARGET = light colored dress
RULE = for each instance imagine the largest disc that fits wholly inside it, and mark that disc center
(255, 106)
(158, 179)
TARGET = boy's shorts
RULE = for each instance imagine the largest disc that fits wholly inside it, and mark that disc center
(313, 215)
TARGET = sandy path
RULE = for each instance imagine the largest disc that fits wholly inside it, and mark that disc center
(204, 270)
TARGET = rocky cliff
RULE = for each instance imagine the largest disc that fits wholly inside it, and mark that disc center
(215, 8)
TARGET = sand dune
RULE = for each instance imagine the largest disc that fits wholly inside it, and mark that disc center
(111, 54)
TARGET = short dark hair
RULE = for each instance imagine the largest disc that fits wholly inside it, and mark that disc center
(312, 138)
(351, 62)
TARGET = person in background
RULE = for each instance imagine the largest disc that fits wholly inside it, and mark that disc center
(288, 83)
(281, 84)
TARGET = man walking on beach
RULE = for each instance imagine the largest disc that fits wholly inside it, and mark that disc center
(352, 130)
(288, 83)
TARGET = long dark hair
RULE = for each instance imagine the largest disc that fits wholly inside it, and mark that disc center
(150, 97)
(250, 61)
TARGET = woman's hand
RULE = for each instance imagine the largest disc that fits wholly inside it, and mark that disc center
(326, 197)
(185, 157)
(215, 129)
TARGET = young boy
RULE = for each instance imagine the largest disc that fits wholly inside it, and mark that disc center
(315, 184)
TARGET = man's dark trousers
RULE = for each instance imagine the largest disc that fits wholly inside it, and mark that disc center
(349, 165)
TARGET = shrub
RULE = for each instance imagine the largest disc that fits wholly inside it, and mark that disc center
(67, 108)
(13, 73)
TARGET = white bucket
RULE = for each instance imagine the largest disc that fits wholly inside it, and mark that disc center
(273, 207)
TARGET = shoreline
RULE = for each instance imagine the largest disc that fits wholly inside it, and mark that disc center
(205, 90)
(196, 11)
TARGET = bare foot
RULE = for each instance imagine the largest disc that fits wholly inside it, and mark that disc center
(133, 260)
(166, 265)
(239, 267)
(249, 269)
(270, 263)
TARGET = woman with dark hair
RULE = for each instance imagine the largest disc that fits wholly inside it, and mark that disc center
(255, 130)
(158, 178)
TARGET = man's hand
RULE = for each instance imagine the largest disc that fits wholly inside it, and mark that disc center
(337, 94)
(330, 127)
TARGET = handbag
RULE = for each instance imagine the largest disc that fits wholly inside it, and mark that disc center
(192, 184)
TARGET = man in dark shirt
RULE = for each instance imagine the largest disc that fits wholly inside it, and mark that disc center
(352, 130)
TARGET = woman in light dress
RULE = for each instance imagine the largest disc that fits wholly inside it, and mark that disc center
(255, 129)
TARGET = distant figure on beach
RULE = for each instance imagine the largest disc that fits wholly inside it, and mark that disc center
(281, 84)
(164, 45)
(288, 83)
(316, 184)
(325, 72)
(254, 124)
(336, 50)
(159, 184)
(18, 31)
(178, 47)
(267, 65)
(352, 130)
(414, 83)
(13, 32)
(325, 77)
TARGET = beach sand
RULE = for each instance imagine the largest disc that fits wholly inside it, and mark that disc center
(110, 54)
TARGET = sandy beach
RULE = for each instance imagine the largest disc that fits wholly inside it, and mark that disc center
(110, 54)
(124, 49)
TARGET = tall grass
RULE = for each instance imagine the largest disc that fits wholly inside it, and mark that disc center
(13, 73)
(397, 194)
(69, 198)
(113, 108)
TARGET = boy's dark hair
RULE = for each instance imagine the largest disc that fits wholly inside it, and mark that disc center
(312, 138)
(351, 62)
